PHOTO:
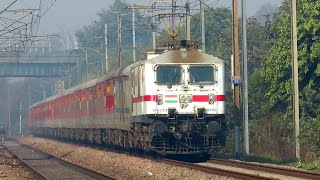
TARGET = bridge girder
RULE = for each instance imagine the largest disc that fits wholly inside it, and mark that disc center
(35, 69)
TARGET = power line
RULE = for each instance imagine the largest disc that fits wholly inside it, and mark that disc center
(41, 15)
(19, 29)
(8, 6)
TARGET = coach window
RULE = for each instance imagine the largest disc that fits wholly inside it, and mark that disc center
(201, 74)
(168, 75)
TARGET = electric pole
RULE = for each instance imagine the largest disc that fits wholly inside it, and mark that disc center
(236, 94)
(20, 117)
(236, 73)
(106, 45)
(295, 74)
(78, 71)
(9, 109)
(203, 31)
(154, 45)
(153, 6)
(119, 18)
(87, 65)
(44, 92)
(245, 79)
(133, 35)
(188, 20)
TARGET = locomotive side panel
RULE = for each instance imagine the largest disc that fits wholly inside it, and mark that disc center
(220, 96)
(150, 90)
(142, 99)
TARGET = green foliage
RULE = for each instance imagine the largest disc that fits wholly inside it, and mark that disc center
(218, 31)
(310, 136)
(92, 36)
(257, 44)
(275, 75)
(313, 165)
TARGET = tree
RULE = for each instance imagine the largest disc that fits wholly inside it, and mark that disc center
(218, 31)
(89, 35)
(266, 11)
(277, 72)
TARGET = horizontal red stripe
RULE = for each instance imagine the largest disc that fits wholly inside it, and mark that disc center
(219, 98)
(144, 98)
(150, 98)
(200, 98)
(205, 98)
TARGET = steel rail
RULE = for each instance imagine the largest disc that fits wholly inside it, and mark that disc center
(267, 168)
(83, 170)
(213, 170)
(35, 174)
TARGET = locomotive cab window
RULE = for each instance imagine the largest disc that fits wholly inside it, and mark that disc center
(168, 75)
(201, 74)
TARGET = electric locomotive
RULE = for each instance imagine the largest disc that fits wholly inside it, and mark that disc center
(170, 103)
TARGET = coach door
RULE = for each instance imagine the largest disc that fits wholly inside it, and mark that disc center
(91, 106)
(122, 108)
(121, 100)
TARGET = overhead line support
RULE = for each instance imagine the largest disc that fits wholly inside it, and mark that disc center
(236, 74)
(245, 79)
(119, 19)
(295, 74)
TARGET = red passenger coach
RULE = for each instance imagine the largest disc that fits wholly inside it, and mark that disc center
(172, 103)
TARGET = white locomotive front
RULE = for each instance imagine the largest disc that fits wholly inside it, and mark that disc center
(183, 99)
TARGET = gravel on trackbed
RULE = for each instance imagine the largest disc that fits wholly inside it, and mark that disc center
(117, 165)
(11, 168)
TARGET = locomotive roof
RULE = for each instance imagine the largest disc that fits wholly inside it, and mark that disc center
(182, 56)
(185, 56)
(190, 56)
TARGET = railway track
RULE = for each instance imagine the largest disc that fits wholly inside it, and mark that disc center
(248, 170)
(46, 166)
(209, 170)
(217, 171)
(276, 170)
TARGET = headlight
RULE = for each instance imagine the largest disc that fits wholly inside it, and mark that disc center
(182, 99)
(185, 98)
(160, 99)
(211, 98)
(189, 99)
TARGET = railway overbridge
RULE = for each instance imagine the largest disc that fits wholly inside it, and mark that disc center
(37, 65)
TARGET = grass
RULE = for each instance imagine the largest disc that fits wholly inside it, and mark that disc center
(307, 165)
(268, 160)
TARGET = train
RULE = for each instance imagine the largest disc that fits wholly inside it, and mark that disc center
(171, 103)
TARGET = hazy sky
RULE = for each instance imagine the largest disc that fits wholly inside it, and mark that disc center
(71, 15)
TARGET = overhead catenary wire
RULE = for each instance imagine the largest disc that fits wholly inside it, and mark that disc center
(8, 6)
(17, 27)
(145, 25)
(45, 12)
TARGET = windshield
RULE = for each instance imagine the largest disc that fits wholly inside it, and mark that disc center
(201, 75)
(169, 75)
